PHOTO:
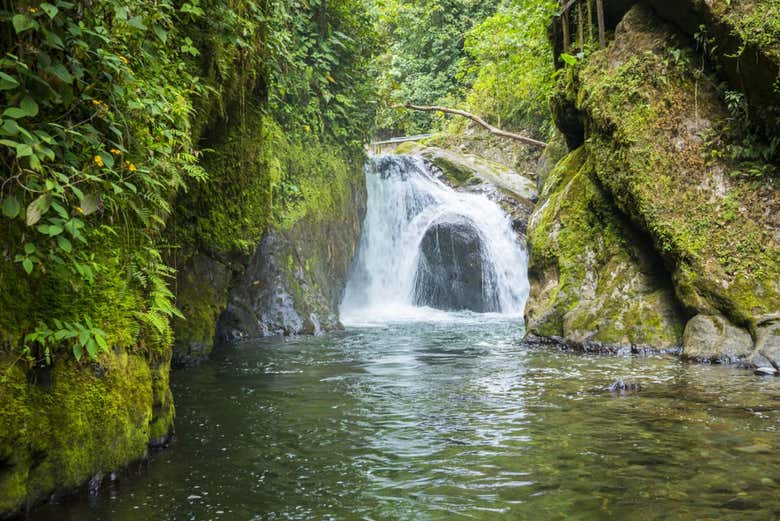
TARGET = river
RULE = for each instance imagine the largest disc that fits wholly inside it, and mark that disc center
(452, 419)
(414, 413)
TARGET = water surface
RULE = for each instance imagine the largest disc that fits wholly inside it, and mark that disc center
(453, 418)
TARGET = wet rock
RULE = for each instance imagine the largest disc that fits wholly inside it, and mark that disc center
(767, 348)
(766, 371)
(453, 271)
(625, 386)
(712, 338)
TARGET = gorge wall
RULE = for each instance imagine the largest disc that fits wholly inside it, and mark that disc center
(659, 228)
(192, 176)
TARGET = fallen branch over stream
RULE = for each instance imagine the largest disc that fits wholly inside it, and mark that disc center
(476, 119)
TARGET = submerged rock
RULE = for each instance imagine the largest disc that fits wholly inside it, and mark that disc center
(625, 386)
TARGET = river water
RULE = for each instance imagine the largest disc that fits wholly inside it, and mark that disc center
(453, 419)
(414, 413)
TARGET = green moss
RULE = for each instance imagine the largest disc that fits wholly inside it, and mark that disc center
(592, 278)
(646, 113)
(457, 173)
(77, 421)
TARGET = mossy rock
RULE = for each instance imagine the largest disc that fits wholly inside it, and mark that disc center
(592, 276)
(653, 141)
(63, 424)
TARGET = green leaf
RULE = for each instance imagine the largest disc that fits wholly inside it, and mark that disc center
(10, 127)
(64, 244)
(23, 150)
(54, 230)
(83, 336)
(7, 82)
(91, 347)
(137, 22)
(61, 73)
(29, 106)
(77, 352)
(108, 159)
(27, 264)
(49, 9)
(101, 340)
(29, 248)
(22, 22)
(90, 203)
(11, 207)
(161, 33)
(37, 208)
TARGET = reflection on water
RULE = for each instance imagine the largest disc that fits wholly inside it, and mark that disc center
(453, 420)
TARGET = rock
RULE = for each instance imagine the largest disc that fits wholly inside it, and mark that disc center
(625, 386)
(453, 271)
(748, 55)
(202, 286)
(593, 277)
(767, 347)
(640, 227)
(712, 338)
(765, 371)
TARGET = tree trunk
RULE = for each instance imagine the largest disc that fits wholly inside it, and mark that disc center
(476, 119)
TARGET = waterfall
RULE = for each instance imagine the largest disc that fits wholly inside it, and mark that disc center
(426, 246)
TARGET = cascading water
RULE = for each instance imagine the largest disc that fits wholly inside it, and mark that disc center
(426, 246)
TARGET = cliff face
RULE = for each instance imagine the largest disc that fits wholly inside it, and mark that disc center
(654, 212)
(270, 249)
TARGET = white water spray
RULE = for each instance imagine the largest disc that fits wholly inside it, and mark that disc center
(389, 278)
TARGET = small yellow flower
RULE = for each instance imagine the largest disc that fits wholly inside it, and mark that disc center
(98, 161)
(79, 210)
(131, 167)
(307, 128)
(33, 10)
(96, 102)
(124, 60)
(116, 151)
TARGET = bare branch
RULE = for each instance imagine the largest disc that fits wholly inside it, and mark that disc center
(476, 119)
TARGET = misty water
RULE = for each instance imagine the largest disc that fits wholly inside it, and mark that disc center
(415, 413)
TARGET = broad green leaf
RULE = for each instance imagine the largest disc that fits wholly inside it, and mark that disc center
(77, 352)
(91, 347)
(10, 127)
(49, 9)
(61, 73)
(83, 336)
(64, 244)
(29, 248)
(161, 33)
(22, 22)
(11, 207)
(7, 82)
(90, 203)
(137, 22)
(101, 340)
(23, 150)
(37, 208)
(27, 264)
(29, 106)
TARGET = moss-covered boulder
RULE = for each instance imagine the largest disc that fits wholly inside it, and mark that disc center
(742, 38)
(660, 146)
(64, 424)
(294, 281)
(593, 277)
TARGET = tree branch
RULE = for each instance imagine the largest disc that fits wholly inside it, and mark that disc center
(476, 119)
